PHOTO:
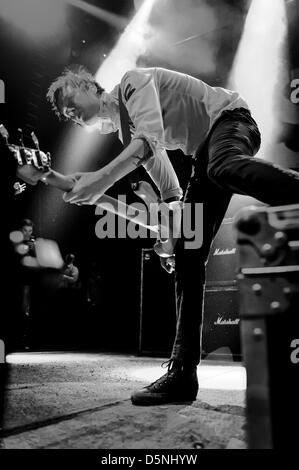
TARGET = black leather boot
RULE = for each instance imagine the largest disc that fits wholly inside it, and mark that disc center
(179, 384)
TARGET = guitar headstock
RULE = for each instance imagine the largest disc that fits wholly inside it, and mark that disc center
(26, 155)
(33, 158)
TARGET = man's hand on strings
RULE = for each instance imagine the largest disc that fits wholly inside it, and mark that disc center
(168, 264)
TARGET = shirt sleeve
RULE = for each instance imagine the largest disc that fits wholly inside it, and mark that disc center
(141, 99)
(162, 173)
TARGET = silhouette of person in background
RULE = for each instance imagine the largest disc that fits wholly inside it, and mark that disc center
(29, 240)
(69, 274)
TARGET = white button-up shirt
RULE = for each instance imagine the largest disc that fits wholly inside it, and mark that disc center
(171, 110)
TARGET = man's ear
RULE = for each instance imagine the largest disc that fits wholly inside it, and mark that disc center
(64, 95)
(69, 95)
(68, 91)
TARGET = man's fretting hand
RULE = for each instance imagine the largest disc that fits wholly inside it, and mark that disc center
(29, 174)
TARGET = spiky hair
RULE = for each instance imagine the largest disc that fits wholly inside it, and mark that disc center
(75, 76)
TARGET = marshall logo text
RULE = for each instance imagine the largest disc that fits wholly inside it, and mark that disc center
(227, 251)
(226, 321)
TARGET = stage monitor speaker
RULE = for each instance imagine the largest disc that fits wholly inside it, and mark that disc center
(221, 326)
(157, 306)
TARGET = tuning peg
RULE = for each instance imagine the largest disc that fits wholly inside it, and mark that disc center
(21, 137)
(37, 152)
(23, 153)
(49, 159)
(35, 140)
(4, 133)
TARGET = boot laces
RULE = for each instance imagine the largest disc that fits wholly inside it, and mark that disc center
(167, 364)
(170, 374)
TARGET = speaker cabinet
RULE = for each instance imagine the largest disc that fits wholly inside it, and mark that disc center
(221, 336)
(221, 326)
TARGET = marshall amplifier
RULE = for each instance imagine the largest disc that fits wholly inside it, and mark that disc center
(221, 325)
(268, 242)
(222, 263)
(157, 306)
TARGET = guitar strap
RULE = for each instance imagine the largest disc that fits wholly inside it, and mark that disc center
(135, 176)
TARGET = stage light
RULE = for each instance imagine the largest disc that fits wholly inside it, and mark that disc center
(30, 262)
(16, 236)
(79, 146)
(22, 249)
(80, 143)
(37, 18)
(111, 18)
(130, 46)
(258, 71)
(138, 4)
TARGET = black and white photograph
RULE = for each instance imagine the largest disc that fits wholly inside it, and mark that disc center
(150, 229)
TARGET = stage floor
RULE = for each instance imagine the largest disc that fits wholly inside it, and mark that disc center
(62, 400)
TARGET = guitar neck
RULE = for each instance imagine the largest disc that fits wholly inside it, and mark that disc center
(66, 183)
(59, 181)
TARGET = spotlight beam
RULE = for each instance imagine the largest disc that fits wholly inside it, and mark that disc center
(131, 44)
(258, 69)
(117, 21)
(123, 57)
(197, 36)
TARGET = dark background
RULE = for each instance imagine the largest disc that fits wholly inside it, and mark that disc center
(27, 70)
